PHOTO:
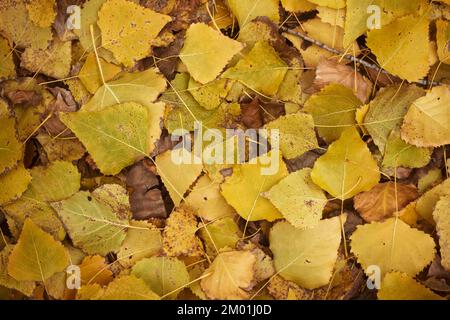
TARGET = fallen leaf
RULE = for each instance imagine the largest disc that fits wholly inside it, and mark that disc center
(440, 215)
(246, 10)
(26, 287)
(400, 286)
(127, 288)
(13, 183)
(93, 269)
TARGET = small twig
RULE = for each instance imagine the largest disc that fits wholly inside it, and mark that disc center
(352, 58)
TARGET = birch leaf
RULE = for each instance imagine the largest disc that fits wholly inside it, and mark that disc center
(244, 189)
(400, 286)
(139, 87)
(163, 275)
(402, 47)
(297, 134)
(128, 288)
(393, 246)
(36, 256)
(13, 184)
(206, 52)
(90, 74)
(333, 110)
(128, 30)
(26, 287)
(91, 225)
(261, 70)
(333, 4)
(247, 10)
(298, 5)
(347, 168)
(93, 269)
(426, 123)
(442, 39)
(298, 199)
(7, 68)
(427, 202)
(306, 257)
(10, 147)
(442, 217)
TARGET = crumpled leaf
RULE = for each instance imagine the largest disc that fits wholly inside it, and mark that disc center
(297, 134)
(392, 245)
(402, 47)
(93, 269)
(179, 237)
(347, 168)
(26, 287)
(128, 30)
(383, 200)
(442, 218)
(163, 275)
(306, 257)
(400, 286)
(116, 136)
(247, 10)
(143, 240)
(13, 184)
(10, 148)
(177, 178)
(127, 288)
(386, 111)
(298, 199)
(91, 225)
(36, 256)
(261, 70)
(243, 190)
(207, 201)
(400, 154)
(54, 61)
(229, 275)
(426, 123)
(140, 87)
(206, 52)
(333, 110)
(91, 76)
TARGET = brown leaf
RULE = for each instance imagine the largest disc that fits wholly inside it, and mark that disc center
(251, 114)
(329, 71)
(383, 200)
(166, 58)
(145, 198)
(26, 98)
(64, 103)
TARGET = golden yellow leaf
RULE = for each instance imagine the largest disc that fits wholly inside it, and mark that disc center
(392, 245)
(10, 148)
(41, 12)
(247, 10)
(442, 218)
(206, 52)
(26, 287)
(126, 288)
(400, 286)
(442, 39)
(347, 168)
(93, 269)
(90, 72)
(128, 30)
(298, 5)
(36, 256)
(13, 184)
(7, 67)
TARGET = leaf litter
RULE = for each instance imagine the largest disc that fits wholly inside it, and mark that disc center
(91, 121)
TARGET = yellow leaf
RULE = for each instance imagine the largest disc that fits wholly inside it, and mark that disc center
(177, 178)
(442, 218)
(229, 275)
(143, 240)
(128, 30)
(10, 148)
(206, 52)
(297, 134)
(247, 10)
(387, 110)
(179, 237)
(400, 286)
(335, 17)
(244, 188)
(392, 245)
(308, 256)
(90, 72)
(36, 256)
(163, 275)
(220, 234)
(13, 184)
(347, 168)
(333, 110)
(61, 149)
(207, 202)
(427, 202)
(299, 200)
(426, 123)
(298, 5)
(333, 4)
(26, 287)
(402, 47)
(54, 62)
(210, 95)
(41, 12)
(140, 87)
(442, 39)
(91, 225)
(93, 269)
(116, 136)
(7, 67)
(126, 288)
(261, 70)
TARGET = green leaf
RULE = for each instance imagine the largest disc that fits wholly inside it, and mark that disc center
(398, 153)
(164, 275)
(36, 256)
(91, 225)
(347, 168)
